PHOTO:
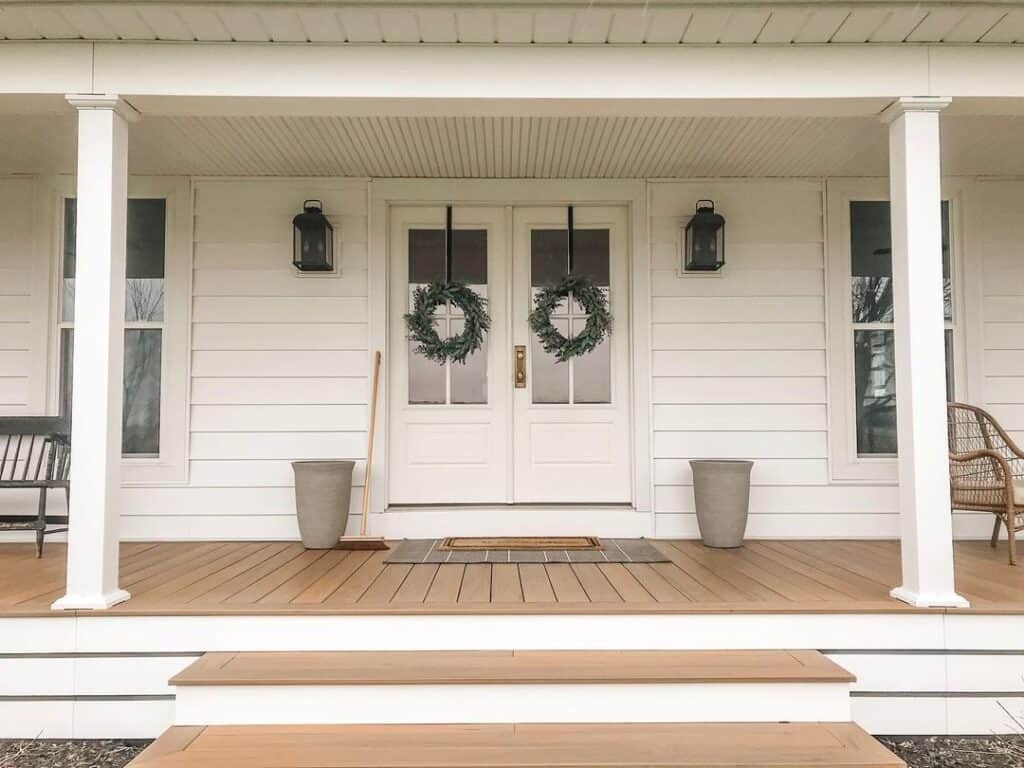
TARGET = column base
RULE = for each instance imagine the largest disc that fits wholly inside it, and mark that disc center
(90, 602)
(929, 599)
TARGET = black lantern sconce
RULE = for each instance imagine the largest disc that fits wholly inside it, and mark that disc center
(704, 247)
(314, 239)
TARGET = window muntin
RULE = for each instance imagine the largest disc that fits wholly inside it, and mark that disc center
(872, 324)
(144, 319)
(581, 380)
(451, 383)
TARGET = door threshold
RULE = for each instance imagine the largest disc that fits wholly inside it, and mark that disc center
(432, 521)
(623, 507)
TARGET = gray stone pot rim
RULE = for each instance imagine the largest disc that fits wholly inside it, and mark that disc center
(322, 462)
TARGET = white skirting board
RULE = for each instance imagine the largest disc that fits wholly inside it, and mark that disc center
(105, 676)
(564, 703)
(85, 718)
(939, 715)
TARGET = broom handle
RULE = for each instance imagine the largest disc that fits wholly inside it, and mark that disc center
(369, 445)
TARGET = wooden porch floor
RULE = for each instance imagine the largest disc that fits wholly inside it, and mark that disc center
(202, 578)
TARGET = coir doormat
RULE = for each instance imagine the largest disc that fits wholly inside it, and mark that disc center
(476, 543)
(413, 551)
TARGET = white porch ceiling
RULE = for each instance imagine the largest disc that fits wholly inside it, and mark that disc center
(625, 22)
(527, 147)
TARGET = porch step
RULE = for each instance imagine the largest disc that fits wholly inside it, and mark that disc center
(708, 745)
(518, 686)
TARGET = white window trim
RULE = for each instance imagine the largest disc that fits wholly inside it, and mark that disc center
(844, 462)
(171, 466)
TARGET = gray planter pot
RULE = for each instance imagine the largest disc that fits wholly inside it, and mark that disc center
(721, 491)
(323, 490)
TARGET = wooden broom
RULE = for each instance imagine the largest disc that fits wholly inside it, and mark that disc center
(364, 541)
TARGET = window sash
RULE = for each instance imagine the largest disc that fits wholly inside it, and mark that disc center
(148, 268)
(859, 327)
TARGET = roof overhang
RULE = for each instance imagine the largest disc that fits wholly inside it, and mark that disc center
(518, 22)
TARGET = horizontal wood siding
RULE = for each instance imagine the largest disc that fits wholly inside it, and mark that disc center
(20, 380)
(739, 362)
(1000, 203)
(279, 361)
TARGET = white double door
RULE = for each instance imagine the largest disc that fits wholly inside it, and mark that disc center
(475, 433)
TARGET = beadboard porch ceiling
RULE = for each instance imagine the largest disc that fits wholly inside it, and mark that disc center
(512, 147)
(696, 22)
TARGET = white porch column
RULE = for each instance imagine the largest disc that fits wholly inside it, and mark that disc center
(94, 534)
(916, 200)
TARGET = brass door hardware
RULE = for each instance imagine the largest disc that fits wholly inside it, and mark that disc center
(520, 366)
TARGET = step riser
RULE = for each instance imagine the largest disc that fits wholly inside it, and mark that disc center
(565, 703)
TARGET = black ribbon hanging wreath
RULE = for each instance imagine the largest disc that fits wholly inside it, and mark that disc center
(589, 296)
(420, 322)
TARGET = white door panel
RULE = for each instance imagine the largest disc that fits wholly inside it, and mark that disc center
(571, 420)
(448, 424)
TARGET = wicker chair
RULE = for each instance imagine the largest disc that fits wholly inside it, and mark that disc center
(986, 470)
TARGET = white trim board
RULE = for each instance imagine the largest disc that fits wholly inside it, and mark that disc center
(515, 73)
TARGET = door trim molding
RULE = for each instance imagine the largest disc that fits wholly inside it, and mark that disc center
(633, 194)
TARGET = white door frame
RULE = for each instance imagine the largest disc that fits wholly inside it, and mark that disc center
(632, 194)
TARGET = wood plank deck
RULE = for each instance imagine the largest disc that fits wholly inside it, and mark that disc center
(503, 667)
(732, 745)
(273, 577)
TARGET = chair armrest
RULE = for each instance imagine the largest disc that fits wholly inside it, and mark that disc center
(985, 458)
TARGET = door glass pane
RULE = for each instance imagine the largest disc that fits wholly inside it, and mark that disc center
(875, 381)
(592, 374)
(469, 380)
(871, 255)
(426, 256)
(141, 415)
(144, 264)
(427, 383)
(469, 256)
(549, 256)
(591, 247)
(550, 378)
(426, 378)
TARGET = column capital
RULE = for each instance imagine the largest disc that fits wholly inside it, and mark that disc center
(906, 104)
(110, 101)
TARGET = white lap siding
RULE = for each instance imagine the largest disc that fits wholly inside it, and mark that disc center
(22, 342)
(278, 366)
(739, 363)
(24, 275)
(999, 209)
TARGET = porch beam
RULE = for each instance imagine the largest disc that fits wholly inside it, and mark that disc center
(916, 198)
(100, 242)
(670, 75)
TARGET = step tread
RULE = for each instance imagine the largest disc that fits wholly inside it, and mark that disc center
(509, 667)
(709, 745)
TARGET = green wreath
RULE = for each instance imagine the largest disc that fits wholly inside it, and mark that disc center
(420, 322)
(594, 303)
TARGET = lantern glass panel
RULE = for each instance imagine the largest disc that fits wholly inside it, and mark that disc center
(313, 242)
(705, 241)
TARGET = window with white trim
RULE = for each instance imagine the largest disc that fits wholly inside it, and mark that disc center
(862, 354)
(144, 322)
(156, 315)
